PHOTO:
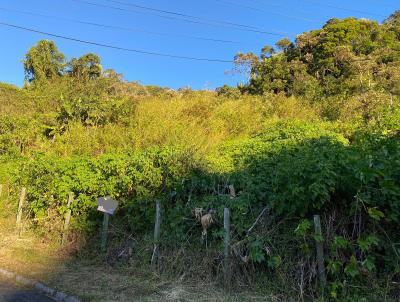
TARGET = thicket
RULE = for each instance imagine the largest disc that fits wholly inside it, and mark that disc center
(344, 58)
(311, 133)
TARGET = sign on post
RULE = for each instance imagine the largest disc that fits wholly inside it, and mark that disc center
(107, 205)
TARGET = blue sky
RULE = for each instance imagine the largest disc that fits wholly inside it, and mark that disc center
(286, 17)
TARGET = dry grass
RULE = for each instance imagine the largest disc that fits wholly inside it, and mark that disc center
(92, 280)
(25, 254)
(99, 283)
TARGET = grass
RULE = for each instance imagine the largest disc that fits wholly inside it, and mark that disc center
(94, 280)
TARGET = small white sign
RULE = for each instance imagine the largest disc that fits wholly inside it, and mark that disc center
(107, 205)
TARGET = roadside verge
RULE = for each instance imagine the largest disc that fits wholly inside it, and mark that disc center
(39, 286)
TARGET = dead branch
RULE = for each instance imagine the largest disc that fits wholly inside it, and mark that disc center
(257, 220)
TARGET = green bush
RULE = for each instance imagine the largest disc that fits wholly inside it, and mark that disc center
(130, 178)
(297, 169)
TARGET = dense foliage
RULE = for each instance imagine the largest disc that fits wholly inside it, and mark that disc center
(345, 58)
(314, 131)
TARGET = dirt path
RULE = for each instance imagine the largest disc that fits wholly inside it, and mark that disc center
(11, 293)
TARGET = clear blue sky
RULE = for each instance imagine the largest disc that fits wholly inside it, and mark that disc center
(289, 17)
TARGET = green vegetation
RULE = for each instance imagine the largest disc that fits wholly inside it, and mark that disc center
(314, 131)
(345, 58)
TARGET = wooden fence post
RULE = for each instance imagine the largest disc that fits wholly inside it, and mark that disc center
(157, 228)
(67, 218)
(227, 248)
(20, 207)
(104, 232)
(320, 251)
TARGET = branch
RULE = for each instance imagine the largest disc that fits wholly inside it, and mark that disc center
(255, 222)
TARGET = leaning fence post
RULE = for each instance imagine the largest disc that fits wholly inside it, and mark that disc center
(320, 251)
(227, 248)
(157, 227)
(67, 218)
(20, 207)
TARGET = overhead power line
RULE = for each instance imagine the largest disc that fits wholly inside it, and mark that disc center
(388, 5)
(131, 29)
(179, 14)
(188, 20)
(257, 9)
(285, 8)
(145, 52)
(323, 3)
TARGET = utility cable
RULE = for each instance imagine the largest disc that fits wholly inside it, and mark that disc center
(257, 9)
(114, 47)
(323, 3)
(132, 29)
(170, 17)
(179, 14)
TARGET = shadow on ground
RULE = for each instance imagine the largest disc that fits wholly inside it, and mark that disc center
(11, 293)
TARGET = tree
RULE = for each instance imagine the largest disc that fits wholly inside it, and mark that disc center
(228, 91)
(284, 44)
(43, 62)
(267, 51)
(345, 57)
(87, 67)
(245, 62)
(393, 22)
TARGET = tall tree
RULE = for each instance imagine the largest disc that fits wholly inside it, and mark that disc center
(284, 44)
(345, 57)
(87, 67)
(43, 62)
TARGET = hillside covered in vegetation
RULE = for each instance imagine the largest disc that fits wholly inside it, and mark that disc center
(314, 131)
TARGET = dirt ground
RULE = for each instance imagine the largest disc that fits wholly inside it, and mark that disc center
(91, 280)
